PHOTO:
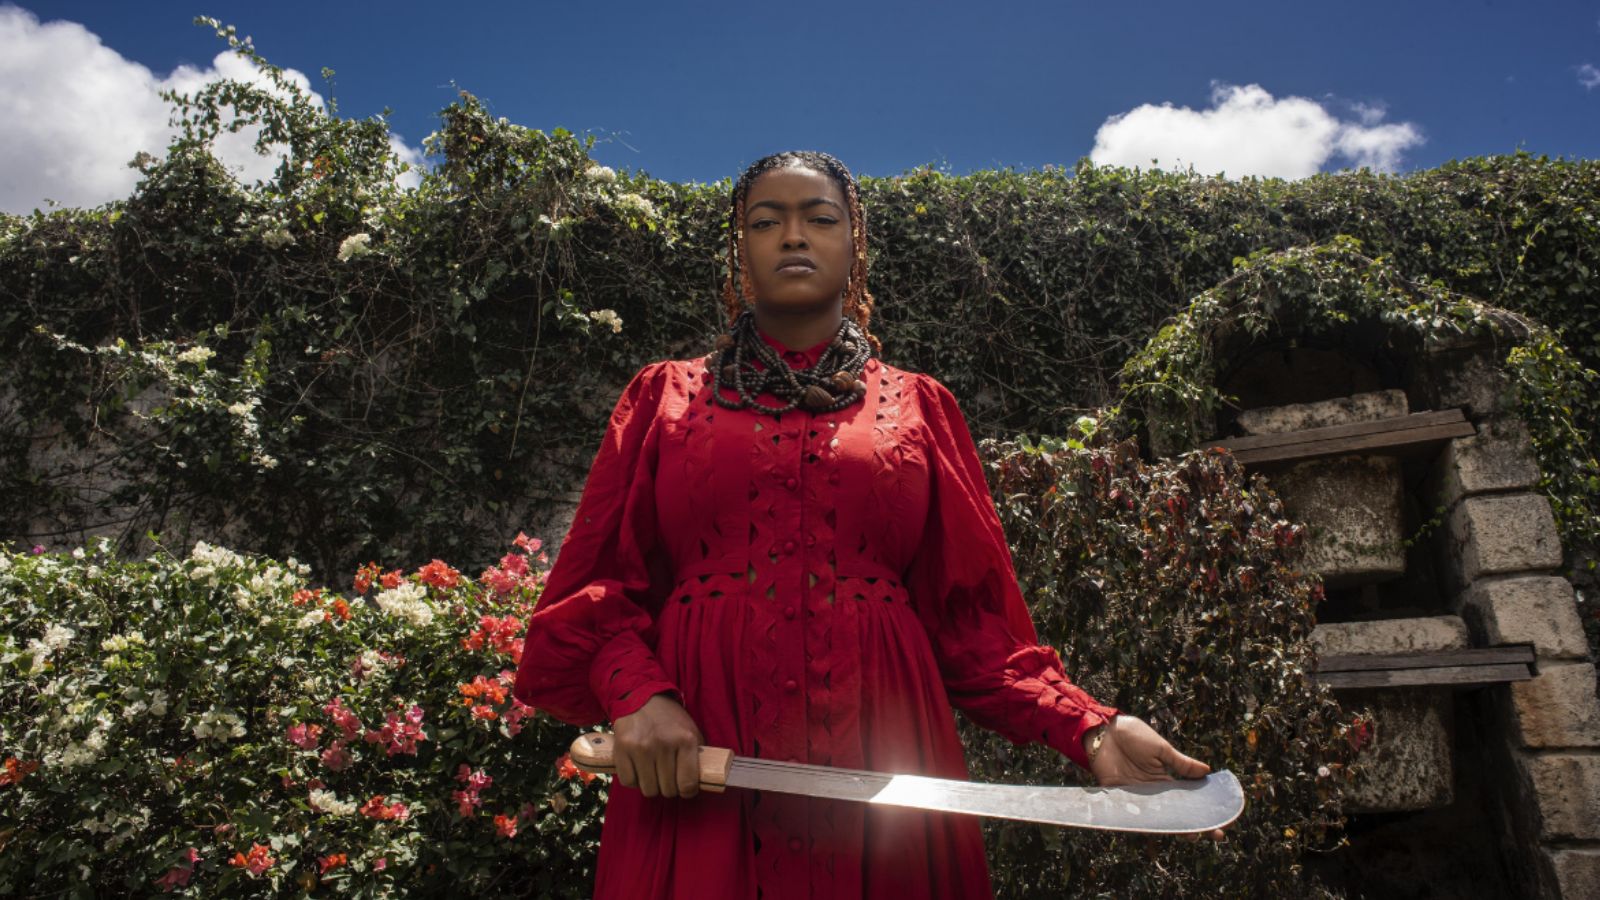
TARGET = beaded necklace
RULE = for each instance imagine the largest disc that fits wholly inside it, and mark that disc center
(741, 348)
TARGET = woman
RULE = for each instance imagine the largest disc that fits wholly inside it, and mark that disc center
(788, 548)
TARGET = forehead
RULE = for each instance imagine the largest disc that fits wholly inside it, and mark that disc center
(792, 184)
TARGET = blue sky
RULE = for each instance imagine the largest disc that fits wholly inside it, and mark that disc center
(695, 91)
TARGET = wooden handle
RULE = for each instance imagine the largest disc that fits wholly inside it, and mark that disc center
(592, 753)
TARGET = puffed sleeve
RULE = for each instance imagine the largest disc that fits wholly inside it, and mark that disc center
(966, 592)
(587, 656)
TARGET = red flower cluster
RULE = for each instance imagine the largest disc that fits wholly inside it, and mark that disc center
(400, 735)
(391, 580)
(331, 861)
(503, 635)
(336, 757)
(16, 770)
(437, 574)
(256, 861)
(506, 826)
(569, 770)
(365, 576)
(312, 596)
(376, 809)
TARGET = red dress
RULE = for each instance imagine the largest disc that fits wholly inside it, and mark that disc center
(816, 587)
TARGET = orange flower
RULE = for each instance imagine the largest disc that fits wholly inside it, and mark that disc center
(365, 576)
(257, 861)
(341, 609)
(439, 575)
(16, 770)
(481, 687)
(569, 770)
(391, 580)
(302, 597)
(506, 826)
(484, 712)
(332, 861)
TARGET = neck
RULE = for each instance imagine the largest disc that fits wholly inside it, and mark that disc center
(799, 330)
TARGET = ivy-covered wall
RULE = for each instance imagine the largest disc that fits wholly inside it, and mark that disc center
(328, 367)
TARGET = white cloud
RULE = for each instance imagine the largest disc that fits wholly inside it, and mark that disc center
(1589, 76)
(75, 112)
(1247, 131)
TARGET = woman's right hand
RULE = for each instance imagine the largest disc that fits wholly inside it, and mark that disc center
(658, 749)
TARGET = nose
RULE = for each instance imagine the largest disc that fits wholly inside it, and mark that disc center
(794, 235)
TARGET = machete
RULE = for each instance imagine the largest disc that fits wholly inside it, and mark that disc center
(1162, 807)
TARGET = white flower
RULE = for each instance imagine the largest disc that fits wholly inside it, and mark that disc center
(196, 355)
(409, 602)
(158, 704)
(278, 239)
(219, 726)
(329, 802)
(597, 172)
(639, 206)
(355, 245)
(121, 642)
(240, 409)
(77, 553)
(313, 618)
(77, 755)
(607, 317)
(58, 636)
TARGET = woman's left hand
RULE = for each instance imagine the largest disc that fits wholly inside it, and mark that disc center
(1132, 753)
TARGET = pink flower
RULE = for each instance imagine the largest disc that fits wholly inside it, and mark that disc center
(345, 720)
(514, 716)
(304, 736)
(400, 736)
(381, 863)
(528, 812)
(376, 809)
(336, 757)
(178, 876)
(529, 545)
(467, 803)
(256, 862)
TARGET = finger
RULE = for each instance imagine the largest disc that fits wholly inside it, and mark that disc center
(1190, 838)
(1184, 766)
(667, 771)
(646, 772)
(689, 772)
(1218, 836)
(625, 773)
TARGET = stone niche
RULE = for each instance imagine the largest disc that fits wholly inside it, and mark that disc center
(1432, 555)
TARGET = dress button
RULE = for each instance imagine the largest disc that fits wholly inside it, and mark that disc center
(788, 547)
(791, 685)
(811, 540)
(792, 483)
(795, 845)
(788, 612)
(833, 477)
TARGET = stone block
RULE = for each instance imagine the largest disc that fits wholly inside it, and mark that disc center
(1498, 458)
(1501, 534)
(1566, 791)
(1352, 507)
(1340, 411)
(1577, 872)
(1390, 636)
(1526, 609)
(1557, 708)
(1408, 766)
(1469, 379)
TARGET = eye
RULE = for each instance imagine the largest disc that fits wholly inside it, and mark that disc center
(825, 220)
(762, 224)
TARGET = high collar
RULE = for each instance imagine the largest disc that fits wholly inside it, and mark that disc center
(797, 359)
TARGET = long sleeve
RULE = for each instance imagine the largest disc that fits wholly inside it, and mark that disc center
(587, 656)
(967, 596)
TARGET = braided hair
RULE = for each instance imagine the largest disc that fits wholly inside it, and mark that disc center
(737, 289)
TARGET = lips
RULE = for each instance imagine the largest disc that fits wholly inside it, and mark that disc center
(795, 264)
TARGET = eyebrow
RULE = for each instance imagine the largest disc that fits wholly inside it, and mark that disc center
(784, 207)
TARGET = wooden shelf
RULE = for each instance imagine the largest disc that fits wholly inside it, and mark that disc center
(1442, 668)
(1402, 434)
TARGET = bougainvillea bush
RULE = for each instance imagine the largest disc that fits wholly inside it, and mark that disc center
(208, 724)
(1173, 592)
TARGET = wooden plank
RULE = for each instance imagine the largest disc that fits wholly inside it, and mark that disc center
(1477, 656)
(1393, 442)
(1445, 676)
(1350, 429)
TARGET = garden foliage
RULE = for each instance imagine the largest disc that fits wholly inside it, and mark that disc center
(211, 725)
